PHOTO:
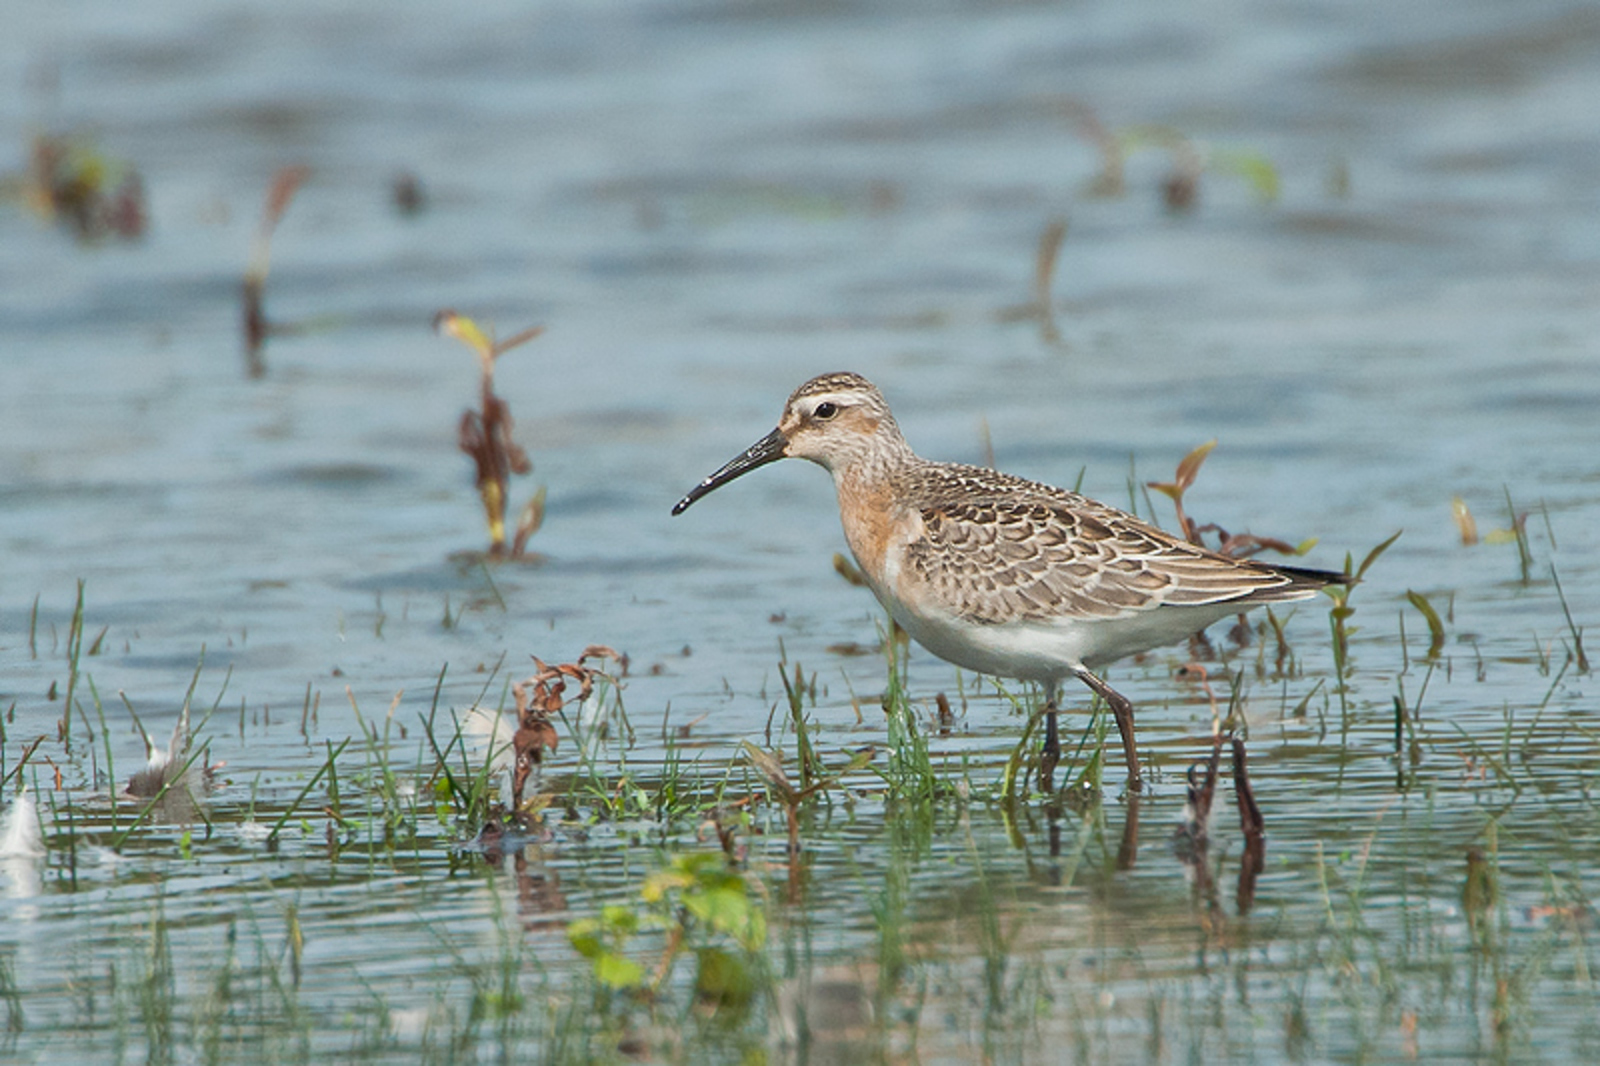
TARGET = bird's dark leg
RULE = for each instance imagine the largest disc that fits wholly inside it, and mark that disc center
(1128, 851)
(1050, 754)
(1122, 710)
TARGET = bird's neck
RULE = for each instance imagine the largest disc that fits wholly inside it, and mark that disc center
(870, 504)
(873, 466)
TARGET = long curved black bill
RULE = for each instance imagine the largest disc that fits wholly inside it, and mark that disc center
(762, 452)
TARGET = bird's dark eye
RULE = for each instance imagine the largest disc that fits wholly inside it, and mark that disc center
(825, 410)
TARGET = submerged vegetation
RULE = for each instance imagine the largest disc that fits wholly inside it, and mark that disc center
(585, 894)
(877, 876)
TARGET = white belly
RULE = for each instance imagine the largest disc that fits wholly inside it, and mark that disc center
(1047, 652)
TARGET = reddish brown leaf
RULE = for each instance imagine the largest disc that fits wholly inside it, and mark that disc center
(284, 184)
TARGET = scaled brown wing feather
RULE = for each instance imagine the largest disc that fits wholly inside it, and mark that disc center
(1057, 553)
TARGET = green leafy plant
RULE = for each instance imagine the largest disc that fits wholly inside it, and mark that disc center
(603, 941)
(718, 920)
(706, 909)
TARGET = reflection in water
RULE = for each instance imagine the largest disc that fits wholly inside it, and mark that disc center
(22, 853)
(1191, 841)
(1090, 811)
(827, 1015)
(539, 898)
(1128, 849)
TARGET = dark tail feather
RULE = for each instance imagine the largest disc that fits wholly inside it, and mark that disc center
(1305, 577)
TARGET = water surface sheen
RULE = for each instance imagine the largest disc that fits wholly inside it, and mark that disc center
(705, 204)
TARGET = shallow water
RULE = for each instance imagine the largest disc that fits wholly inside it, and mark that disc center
(705, 204)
